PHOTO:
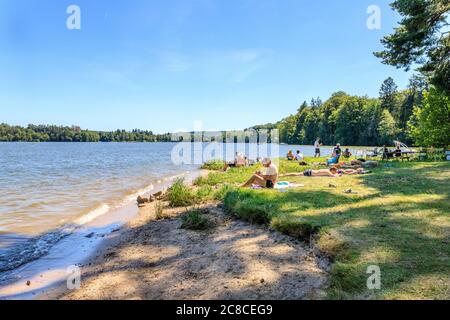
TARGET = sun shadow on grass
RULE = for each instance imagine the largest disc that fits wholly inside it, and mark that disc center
(403, 227)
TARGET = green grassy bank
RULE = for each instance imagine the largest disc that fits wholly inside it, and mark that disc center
(397, 218)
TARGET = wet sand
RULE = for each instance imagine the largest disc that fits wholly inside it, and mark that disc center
(46, 277)
(159, 260)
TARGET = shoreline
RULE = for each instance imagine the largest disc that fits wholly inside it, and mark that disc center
(40, 276)
(158, 259)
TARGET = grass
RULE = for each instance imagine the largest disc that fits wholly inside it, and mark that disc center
(397, 218)
(159, 210)
(180, 195)
(194, 220)
(213, 165)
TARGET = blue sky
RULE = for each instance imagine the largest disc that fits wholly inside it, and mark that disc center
(161, 65)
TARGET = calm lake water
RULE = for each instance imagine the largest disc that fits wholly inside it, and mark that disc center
(48, 189)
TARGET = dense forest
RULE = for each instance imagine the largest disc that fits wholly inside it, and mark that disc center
(363, 121)
(50, 133)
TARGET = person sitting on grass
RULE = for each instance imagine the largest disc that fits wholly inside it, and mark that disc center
(266, 179)
(290, 156)
(337, 150)
(398, 152)
(387, 154)
(299, 156)
(334, 158)
(347, 154)
(239, 161)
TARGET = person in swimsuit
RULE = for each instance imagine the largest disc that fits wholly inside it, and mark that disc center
(332, 172)
(290, 156)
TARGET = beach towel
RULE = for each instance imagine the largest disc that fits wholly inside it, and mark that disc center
(334, 160)
(282, 185)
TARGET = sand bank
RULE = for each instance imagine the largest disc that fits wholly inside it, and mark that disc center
(152, 259)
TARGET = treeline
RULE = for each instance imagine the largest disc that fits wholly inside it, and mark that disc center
(355, 120)
(51, 133)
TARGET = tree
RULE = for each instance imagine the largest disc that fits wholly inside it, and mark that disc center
(371, 120)
(310, 127)
(422, 38)
(388, 95)
(287, 129)
(316, 103)
(430, 125)
(42, 133)
(387, 129)
(327, 126)
(348, 119)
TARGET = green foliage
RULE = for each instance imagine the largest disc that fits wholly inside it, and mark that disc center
(180, 195)
(422, 38)
(194, 220)
(431, 123)
(355, 120)
(223, 191)
(388, 95)
(45, 133)
(204, 193)
(348, 120)
(211, 179)
(213, 165)
(386, 128)
(159, 210)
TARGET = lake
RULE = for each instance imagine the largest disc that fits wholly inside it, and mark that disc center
(48, 190)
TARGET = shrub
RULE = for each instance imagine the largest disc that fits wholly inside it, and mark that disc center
(159, 210)
(194, 220)
(180, 195)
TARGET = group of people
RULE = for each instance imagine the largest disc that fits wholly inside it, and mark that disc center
(387, 154)
(297, 157)
(269, 176)
(335, 156)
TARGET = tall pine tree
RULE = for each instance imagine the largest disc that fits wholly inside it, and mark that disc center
(388, 95)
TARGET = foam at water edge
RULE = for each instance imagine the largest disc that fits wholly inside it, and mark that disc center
(97, 212)
(40, 246)
(104, 208)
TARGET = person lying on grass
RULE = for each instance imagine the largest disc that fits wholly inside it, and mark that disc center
(266, 179)
(332, 172)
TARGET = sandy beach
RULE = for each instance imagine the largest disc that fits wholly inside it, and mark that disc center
(157, 259)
